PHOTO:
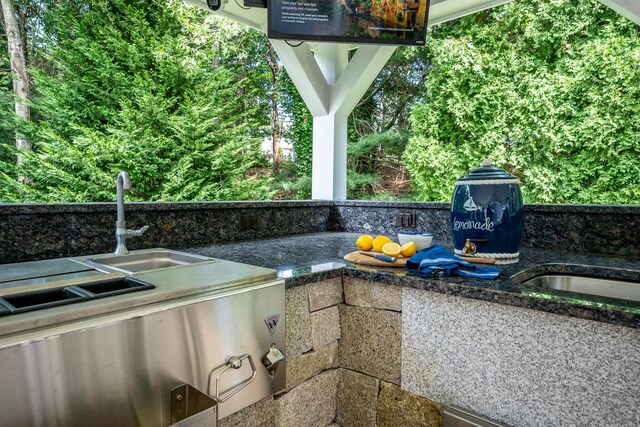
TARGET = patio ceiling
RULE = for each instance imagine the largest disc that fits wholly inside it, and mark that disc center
(331, 84)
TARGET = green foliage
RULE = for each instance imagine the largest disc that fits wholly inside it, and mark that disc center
(373, 161)
(379, 128)
(548, 90)
(133, 88)
(243, 51)
(388, 102)
(370, 149)
(300, 131)
(180, 99)
(288, 185)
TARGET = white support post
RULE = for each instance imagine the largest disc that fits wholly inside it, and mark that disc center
(329, 164)
(331, 85)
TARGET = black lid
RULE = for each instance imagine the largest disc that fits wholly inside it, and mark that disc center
(489, 174)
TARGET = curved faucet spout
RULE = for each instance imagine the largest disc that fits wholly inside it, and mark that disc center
(122, 233)
(122, 183)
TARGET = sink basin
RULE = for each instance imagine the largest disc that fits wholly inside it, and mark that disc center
(148, 260)
(107, 288)
(588, 285)
(45, 298)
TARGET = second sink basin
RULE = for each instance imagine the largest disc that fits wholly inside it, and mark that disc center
(52, 297)
(588, 285)
(148, 260)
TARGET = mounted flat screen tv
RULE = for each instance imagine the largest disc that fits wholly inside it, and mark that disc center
(395, 22)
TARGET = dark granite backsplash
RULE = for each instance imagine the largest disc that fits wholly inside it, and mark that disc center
(33, 232)
(598, 229)
(380, 217)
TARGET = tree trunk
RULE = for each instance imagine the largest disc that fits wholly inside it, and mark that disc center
(17, 55)
(275, 119)
(275, 123)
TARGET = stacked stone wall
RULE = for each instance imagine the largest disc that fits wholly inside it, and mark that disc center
(343, 362)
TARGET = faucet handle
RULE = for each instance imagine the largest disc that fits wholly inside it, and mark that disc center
(139, 232)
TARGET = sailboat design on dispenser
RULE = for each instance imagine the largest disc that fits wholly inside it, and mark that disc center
(470, 205)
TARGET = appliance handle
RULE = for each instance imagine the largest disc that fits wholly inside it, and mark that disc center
(235, 362)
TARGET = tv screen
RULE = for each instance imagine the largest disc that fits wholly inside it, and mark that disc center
(397, 22)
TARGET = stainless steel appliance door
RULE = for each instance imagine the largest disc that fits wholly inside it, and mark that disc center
(119, 370)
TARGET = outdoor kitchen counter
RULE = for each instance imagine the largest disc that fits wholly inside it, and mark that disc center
(302, 259)
(211, 277)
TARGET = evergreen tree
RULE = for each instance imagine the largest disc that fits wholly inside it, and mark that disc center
(549, 90)
(300, 131)
(133, 86)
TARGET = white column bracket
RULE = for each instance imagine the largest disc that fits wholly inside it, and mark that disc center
(331, 86)
(305, 74)
(356, 79)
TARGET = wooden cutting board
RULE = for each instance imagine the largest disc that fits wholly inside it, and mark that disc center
(357, 258)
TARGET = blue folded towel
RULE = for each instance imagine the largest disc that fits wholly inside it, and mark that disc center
(438, 261)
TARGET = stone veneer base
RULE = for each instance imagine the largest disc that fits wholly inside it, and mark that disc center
(518, 366)
(320, 389)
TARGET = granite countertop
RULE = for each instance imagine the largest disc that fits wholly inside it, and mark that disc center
(307, 258)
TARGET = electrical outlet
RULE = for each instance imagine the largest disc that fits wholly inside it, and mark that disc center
(406, 220)
(249, 222)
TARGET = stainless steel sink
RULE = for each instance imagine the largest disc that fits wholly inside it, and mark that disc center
(588, 285)
(147, 260)
(21, 302)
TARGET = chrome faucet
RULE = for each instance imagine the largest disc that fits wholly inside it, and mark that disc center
(122, 234)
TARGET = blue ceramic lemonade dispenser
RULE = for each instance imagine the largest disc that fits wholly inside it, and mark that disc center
(487, 214)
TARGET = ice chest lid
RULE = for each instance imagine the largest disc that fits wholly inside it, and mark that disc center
(487, 175)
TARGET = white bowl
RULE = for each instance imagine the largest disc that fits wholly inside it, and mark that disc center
(421, 240)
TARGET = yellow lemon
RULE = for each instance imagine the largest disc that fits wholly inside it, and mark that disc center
(408, 249)
(364, 242)
(391, 249)
(379, 242)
